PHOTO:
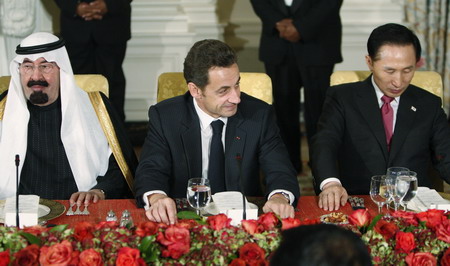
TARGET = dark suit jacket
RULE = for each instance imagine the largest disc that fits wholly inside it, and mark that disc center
(172, 150)
(318, 23)
(115, 27)
(351, 145)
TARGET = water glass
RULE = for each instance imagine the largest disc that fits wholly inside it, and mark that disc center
(378, 191)
(198, 193)
(412, 191)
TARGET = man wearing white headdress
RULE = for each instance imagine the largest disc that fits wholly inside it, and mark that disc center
(52, 125)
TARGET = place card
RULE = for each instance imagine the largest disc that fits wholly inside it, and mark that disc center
(231, 204)
(28, 210)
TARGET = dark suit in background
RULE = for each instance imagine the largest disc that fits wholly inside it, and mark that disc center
(172, 150)
(98, 46)
(351, 134)
(308, 62)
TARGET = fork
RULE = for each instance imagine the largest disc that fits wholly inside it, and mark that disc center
(77, 211)
(70, 211)
(85, 211)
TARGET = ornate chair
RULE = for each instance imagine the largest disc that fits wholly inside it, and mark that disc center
(258, 85)
(92, 84)
(428, 80)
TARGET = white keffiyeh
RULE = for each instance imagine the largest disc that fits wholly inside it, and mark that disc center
(84, 141)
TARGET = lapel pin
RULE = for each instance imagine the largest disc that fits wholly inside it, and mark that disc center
(413, 108)
(238, 138)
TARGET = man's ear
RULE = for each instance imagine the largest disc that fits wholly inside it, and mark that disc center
(194, 90)
(369, 62)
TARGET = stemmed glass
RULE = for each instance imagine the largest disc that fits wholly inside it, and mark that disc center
(198, 193)
(391, 176)
(378, 190)
(412, 191)
(399, 187)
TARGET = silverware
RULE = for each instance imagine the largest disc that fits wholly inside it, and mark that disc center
(85, 211)
(70, 211)
(356, 202)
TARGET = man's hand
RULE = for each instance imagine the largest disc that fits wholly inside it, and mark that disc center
(333, 194)
(280, 206)
(94, 10)
(162, 209)
(287, 30)
(84, 198)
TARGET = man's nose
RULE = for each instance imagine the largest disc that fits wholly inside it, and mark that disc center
(37, 73)
(235, 96)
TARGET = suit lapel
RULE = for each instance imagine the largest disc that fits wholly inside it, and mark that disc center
(281, 6)
(406, 115)
(191, 139)
(295, 5)
(234, 146)
(370, 110)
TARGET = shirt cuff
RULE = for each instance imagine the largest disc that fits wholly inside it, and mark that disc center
(328, 180)
(291, 196)
(146, 194)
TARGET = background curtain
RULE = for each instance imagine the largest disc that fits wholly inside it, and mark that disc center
(429, 19)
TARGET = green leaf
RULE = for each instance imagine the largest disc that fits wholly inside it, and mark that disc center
(31, 238)
(374, 222)
(188, 215)
(149, 249)
(59, 228)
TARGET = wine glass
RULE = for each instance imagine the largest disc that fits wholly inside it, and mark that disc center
(412, 191)
(198, 193)
(391, 175)
(378, 191)
(399, 188)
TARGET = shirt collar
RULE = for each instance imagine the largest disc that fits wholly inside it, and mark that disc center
(206, 119)
(380, 94)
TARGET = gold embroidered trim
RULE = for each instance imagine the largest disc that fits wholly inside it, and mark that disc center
(110, 133)
(2, 107)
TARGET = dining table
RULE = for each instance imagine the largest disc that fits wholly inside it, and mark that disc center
(306, 208)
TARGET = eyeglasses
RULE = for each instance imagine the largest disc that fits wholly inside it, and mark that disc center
(45, 68)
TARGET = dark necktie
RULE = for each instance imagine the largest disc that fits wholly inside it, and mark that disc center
(216, 169)
(388, 118)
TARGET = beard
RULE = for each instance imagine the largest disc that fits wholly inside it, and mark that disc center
(38, 97)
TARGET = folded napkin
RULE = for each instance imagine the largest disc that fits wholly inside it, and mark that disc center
(231, 204)
(28, 210)
(427, 198)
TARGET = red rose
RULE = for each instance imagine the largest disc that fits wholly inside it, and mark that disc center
(360, 217)
(35, 230)
(251, 226)
(129, 256)
(238, 262)
(105, 224)
(83, 231)
(58, 254)
(431, 217)
(147, 229)
(290, 223)
(404, 242)
(217, 222)
(408, 217)
(176, 239)
(386, 229)
(251, 253)
(445, 260)
(27, 256)
(443, 230)
(186, 223)
(268, 220)
(90, 257)
(421, 259)
(4, 258)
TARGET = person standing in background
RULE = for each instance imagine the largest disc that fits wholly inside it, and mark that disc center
(96, 35)
(300, 43)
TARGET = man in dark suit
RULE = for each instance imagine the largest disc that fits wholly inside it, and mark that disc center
(356, 141)
(300, 43)
(177, 146)
(96, 34)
